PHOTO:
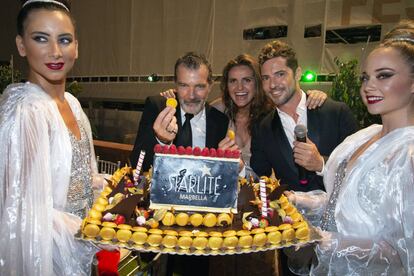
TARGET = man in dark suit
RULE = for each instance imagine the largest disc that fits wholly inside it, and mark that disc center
(161, 124)
(273, 143)
(166, 125)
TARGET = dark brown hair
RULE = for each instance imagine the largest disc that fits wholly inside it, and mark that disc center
(279, 48)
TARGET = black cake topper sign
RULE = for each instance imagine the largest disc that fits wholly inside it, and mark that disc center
(194, 184)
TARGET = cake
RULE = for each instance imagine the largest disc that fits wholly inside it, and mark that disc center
(149, 212)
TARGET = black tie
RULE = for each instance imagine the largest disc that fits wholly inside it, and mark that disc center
(185, 137)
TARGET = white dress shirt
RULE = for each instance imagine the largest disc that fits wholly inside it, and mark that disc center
(198, 127)
(289, 123)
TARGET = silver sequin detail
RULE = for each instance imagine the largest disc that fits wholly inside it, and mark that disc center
(328, 218)
(80, 194)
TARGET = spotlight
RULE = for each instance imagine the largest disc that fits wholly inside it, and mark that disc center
(153, 77)
(308, 76)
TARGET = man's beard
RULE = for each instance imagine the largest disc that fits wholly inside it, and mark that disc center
(193, 106)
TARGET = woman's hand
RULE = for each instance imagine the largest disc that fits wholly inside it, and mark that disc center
(315, 98)
(228, 143)
(326, 242)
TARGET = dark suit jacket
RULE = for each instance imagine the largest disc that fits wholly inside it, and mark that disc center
(328, 126)
(216, 129)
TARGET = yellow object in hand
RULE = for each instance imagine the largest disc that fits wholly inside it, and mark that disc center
(171, 102)
(231, 134)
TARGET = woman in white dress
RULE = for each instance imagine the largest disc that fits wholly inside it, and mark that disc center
(47, 159)
(366, 213)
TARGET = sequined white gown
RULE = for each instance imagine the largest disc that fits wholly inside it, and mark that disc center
(373, 227)
(37, 225)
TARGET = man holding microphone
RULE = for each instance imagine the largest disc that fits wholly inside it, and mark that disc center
(274, 143)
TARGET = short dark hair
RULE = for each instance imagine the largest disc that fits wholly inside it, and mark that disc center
(276, 49)
(193, 61)
(27, 9)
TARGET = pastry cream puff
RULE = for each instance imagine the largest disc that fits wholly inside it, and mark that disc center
(302, 233)
(200, 243)
(139, 237)
(288, 234)
(169, 241)
(184, 242)
(209, 220)
(107, 233)
(215, 242)
(98, 207)
(94, 214)
(296, 217)
(123, 235)
(91, 230)
(285, 226)
(102, 200)
(182, 219)
(224, 219)
(196, 219)
(245, 241)
(109, 224)
(154, 239)
(168, 219)
(259, 239)
(300, 224)
(274, 237)
(230, 242)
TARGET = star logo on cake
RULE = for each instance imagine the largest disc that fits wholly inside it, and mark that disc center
(205, 170)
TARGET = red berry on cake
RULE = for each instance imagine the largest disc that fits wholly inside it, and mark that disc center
(235, 154)
(197, 151)
(205, 152)
(119, 219)
(220, 153)
(228, 153)
(181, 150)
(213, 152)
(173, 149)
(189, 150)
(157, 148)
(165, 149)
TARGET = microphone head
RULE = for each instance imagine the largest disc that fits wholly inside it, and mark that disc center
(300, 131)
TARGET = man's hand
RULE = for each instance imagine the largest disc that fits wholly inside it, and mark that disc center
(165, 126)
(307, 155)
(315, 98)
(170, 93)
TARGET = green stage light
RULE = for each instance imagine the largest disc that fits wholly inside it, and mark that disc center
(308, 76)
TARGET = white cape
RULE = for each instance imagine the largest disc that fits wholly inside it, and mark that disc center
(36, 235)
(374, 212)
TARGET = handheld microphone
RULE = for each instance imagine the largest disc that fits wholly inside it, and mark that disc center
(300, 133)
